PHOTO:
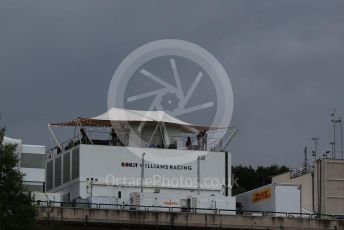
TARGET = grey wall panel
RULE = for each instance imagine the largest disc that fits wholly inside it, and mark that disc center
(58, 164)
(66, 167)
(75, 163)
(49, 173)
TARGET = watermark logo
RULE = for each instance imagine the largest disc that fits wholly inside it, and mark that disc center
(179, 78)
(167, 181)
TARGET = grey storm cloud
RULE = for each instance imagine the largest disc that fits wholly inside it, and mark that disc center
(285, 60)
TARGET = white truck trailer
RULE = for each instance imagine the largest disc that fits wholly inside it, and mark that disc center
(272, 199)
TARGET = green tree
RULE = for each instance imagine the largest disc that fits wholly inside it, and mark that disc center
(16, 209)
(247, 178)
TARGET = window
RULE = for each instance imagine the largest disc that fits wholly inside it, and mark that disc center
(32, 160)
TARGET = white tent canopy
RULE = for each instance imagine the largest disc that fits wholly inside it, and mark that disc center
(117, 114)
(118, 119)
(113, 115)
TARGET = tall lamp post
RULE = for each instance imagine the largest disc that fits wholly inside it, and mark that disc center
(341, 136)
(315, 152)
(334, 120)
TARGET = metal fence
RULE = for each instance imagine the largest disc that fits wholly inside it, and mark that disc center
(143, 141)
(239, 212)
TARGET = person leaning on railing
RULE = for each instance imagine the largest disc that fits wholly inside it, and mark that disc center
(115, 140)
(84, 137)
(199, 135)
(204, 140)
(188, 143)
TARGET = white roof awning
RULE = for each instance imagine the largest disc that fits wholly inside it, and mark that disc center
(117, 114)
(114, 115)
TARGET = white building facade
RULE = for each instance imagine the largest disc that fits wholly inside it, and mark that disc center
(95, 170)
(157, 162)
(322, 189)
(31, 163)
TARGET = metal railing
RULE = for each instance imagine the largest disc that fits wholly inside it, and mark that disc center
(152, 208)
(142, 141)
(300, 171)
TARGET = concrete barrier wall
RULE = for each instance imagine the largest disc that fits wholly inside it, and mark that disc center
(73, 218)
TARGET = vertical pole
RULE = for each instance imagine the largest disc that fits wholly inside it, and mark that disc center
(198, 175)
(162, 135)
(305, 163)
(91, 186)
(300, 188)
(226, 174)
(316, 147)
(142, 170)
(331, 150)
(312, 174)
(334, 139)
(333, 120)
(315, 139)
(319, 175)
(341, 137)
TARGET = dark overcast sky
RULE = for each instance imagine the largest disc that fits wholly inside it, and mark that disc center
(285, 60)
